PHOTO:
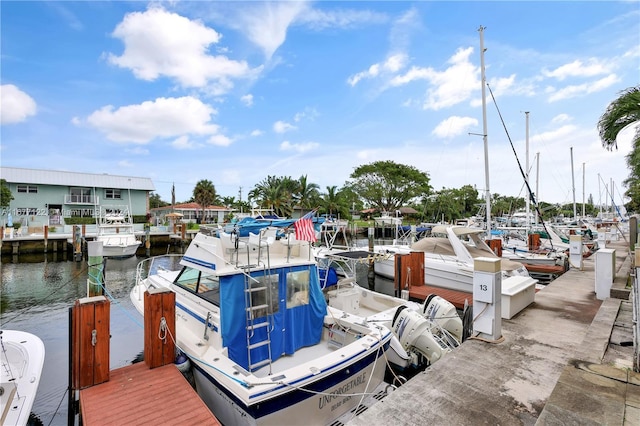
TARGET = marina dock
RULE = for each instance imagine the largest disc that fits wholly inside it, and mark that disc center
(564, 360)
(137, 395)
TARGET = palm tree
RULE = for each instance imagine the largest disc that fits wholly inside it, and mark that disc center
(275, 193)
(307, 193)
(621, 113)
(204, 194)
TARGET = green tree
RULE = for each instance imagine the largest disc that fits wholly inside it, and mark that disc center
(467, 197)
(622, 112)
(5, 193)
(155, 201)
(275, 193)
(444, 206)
(387, 185)
(306, 194)
(331, 200)
(204, 194)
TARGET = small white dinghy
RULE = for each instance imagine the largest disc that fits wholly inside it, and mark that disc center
(22, 356)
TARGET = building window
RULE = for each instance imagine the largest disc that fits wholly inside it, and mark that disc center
(112, 194)
(28, 189)
(80, 195)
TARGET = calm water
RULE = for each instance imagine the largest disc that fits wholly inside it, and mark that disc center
(36, 294)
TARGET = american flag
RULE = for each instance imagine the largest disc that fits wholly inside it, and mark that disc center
(304, 228)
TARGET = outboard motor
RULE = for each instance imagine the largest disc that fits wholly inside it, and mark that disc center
(414, 333)
(444, 314)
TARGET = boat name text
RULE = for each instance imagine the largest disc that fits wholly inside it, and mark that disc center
(351, 384)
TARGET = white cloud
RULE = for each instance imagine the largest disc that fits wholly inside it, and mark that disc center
(454, 126)
(561, 118)
(449, 87)
(247, 100)
(392, 64)
(183, 142)
(220, 140)
(339, 18)
(559, 134)
(257, 132)
(577, 68)
(266, 23)
(582, 89)
(162, 118)
(282, 127)
(298, 147)
(160, 43)
(15, 105)
(308, 114)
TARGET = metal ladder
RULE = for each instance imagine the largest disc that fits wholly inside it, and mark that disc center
(251, 325)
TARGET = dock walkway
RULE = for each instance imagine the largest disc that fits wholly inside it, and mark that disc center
(559, 362)
(137, 395)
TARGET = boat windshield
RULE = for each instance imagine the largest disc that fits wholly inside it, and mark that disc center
(204, 285)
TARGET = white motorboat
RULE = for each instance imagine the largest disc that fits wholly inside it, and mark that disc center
(22, 356)
(264, 346)
(422, 333)
(449, 261)
(116, 232)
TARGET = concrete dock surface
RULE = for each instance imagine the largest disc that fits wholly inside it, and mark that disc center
(567, 359)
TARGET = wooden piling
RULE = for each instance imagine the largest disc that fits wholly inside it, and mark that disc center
(159, 327)
(495, 244)
(409, 271)
(90, 341)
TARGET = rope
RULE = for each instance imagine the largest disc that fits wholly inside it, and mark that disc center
(162, 330)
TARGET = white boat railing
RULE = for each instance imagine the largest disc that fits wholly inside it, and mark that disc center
(151, 266)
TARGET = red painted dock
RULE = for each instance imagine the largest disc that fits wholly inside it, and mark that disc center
(138, 395)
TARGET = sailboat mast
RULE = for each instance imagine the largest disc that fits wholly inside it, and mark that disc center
(526, 174)
(484, 133)
(537, 184)
(583, 191)
(573, 185)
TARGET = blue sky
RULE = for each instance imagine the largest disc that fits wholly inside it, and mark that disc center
(236, 91)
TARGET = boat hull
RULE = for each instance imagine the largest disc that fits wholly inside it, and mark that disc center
(22, 361)
(327, 397)
(120, 251)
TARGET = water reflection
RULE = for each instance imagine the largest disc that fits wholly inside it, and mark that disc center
(37, 292)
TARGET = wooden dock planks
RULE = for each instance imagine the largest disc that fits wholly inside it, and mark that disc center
(137, 395)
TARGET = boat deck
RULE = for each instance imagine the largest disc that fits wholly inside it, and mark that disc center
(137, 395)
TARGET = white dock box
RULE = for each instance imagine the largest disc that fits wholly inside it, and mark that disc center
(517, 294)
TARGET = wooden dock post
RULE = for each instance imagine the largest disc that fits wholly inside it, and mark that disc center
(495, 244)
(159, 327)
(90, 342)
(45, 230)
(409, 272)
